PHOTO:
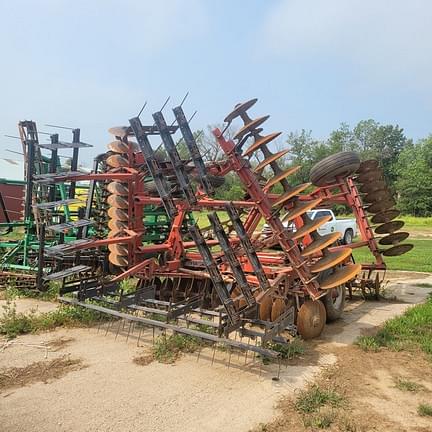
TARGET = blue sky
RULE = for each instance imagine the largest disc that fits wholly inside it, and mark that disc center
(312, 64)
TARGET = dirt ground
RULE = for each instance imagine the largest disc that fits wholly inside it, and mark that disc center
(98, 387)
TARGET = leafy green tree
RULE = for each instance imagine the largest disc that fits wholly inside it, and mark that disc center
(414, 181)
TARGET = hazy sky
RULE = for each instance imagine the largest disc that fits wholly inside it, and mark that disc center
(312, 64)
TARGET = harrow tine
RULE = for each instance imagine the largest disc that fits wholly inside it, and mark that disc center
(193, 149)
(232, 259)
(214, 352)
(174, 157)
(215, 274)
(154, 167)
(139, 335)
(247, 246)
(118, 328)
(109, 325)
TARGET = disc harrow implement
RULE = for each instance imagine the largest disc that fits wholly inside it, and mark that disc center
(224, 283)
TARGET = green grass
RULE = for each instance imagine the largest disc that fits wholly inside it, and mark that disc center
(13, 323)
(167, 349)
(313, 398)
(417, 259)
(294, 349)
(425, 410)
(409, 386)
(412, 330)
(51, 293)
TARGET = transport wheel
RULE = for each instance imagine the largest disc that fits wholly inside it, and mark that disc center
(334, 303)
(341, 164)
(311, 319)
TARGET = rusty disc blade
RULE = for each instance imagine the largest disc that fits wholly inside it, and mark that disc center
(116, 213)
(118, 147)
(378, 195)
(260, 142)
(331, 259)
(249, 127)
(341, 276)
(380, 206)
(115, 233)
(311, 319)
(239, 109)
(368, 165)
(276, 179)
(398, 250)
(118, 249)
(385, 216)
(373, 186)
(389, 227)
(117, 161)
(117, 202)
(118, 188)
(291, 193)
(300, 208)
(310, 226)
(120, 131)
(321, 243)
(370, 177)
(265, 307)
(116, 225)
(270, 159)
(394, 238)
(278, 308)
(118, 260)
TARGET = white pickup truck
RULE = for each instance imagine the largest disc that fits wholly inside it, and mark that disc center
(347, 227)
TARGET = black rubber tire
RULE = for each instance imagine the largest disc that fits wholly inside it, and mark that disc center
(348, 236)
(341, 164)
(334, 310)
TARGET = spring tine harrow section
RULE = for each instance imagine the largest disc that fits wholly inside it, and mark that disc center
(232, 259)
(215, 274)
(177, 163)
(193, 149)
(153, 167)
(248, 247)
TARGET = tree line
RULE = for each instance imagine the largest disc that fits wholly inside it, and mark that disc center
(407, 165)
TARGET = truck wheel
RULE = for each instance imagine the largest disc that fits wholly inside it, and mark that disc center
(334, 300)
(341, 164)
(348, 236)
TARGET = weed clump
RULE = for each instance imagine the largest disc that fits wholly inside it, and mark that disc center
(294, 348)
(425, 410)
(407, 385)
(167, 349)
(13, 323)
